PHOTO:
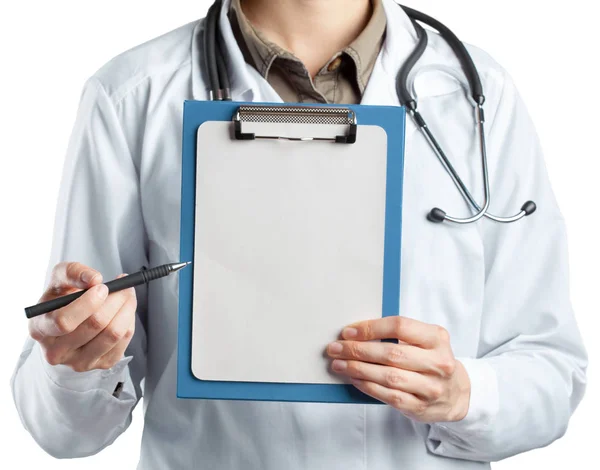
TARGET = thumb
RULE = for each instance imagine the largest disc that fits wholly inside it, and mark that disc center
(72, 276)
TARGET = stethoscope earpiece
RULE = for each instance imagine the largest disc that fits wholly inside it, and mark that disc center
(436, 215)
(529, 208)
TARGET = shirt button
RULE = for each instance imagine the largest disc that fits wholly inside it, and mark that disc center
(334, 64)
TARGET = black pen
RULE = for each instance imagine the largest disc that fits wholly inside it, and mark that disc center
(131, 280)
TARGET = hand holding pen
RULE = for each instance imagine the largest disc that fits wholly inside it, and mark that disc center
(88, 329)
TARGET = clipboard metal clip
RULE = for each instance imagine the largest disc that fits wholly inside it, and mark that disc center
(296, 115)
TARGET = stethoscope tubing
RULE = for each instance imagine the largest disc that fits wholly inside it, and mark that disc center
(459, 182)
(219, 85)
(406, 99)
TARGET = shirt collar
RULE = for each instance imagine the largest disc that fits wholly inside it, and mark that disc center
(256, 48)
(261, 52)
(366, 47)
(400, 41)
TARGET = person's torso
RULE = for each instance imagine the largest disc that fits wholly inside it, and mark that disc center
(441, 282)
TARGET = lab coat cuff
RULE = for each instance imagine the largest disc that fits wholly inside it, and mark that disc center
(483, 402)
(97, 379)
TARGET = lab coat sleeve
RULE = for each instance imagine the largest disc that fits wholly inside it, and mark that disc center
(99, 223)
(529, 373)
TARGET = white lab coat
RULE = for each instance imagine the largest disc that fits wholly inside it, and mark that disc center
(500, 290)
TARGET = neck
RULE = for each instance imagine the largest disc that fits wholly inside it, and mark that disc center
(313, 30)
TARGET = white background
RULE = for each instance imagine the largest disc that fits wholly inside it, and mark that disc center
(49, 48)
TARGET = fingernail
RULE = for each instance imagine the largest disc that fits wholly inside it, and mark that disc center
(349, 332)
(339, 366)
(87, 276)
(101, 290)
(335, 348)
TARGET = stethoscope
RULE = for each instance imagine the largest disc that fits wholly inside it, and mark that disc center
(214, 48)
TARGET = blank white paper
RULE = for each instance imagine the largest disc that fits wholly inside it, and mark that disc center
(289, 242)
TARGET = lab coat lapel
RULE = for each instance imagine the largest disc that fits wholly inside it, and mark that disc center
(400, 41)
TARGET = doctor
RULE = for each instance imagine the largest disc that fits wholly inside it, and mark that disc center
(490, 361)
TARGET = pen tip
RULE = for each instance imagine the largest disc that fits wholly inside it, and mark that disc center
(177, 266)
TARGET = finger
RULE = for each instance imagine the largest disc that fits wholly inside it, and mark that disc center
(98, 321)
(66, 319)
(390, 377)
(403, 401)
(120, 328)
(403, 356)
(67, 276)
(405, 329)
(115, 354)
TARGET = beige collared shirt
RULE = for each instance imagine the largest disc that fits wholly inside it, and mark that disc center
(342, 80)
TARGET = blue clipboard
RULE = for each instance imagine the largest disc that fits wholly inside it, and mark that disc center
(392, 120)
